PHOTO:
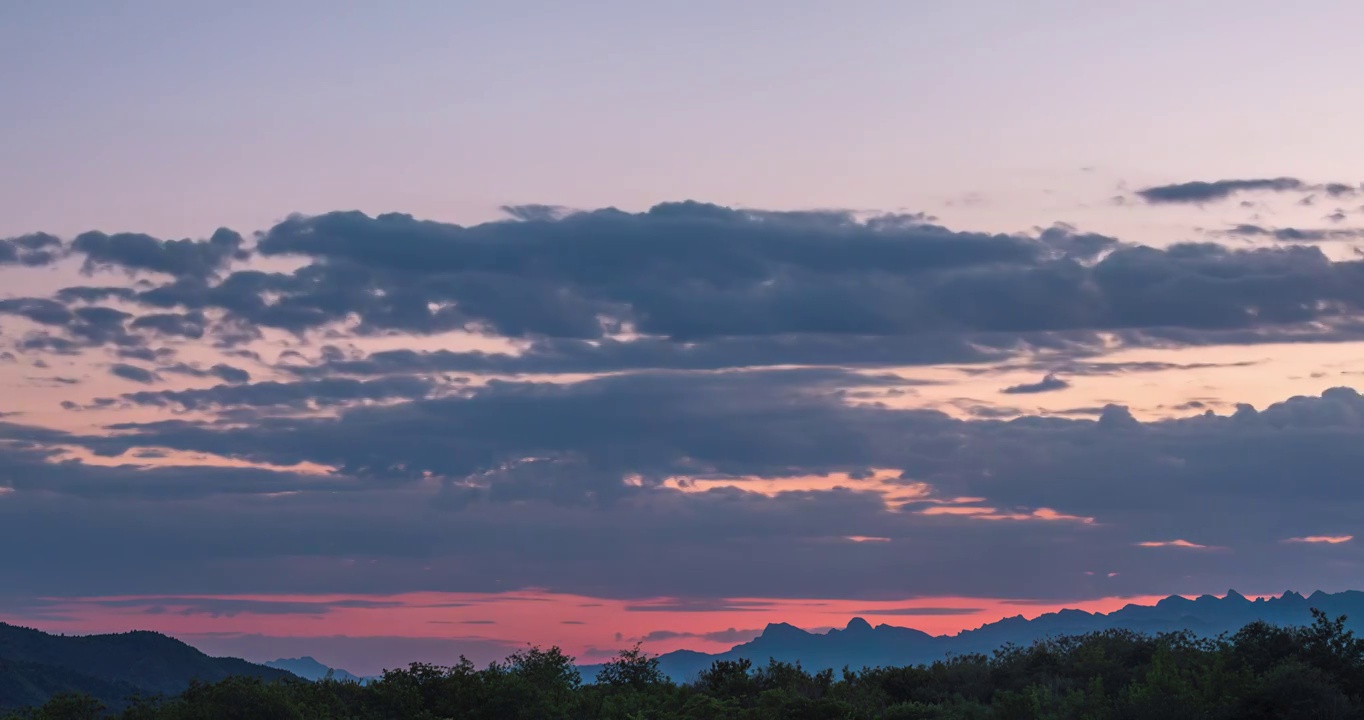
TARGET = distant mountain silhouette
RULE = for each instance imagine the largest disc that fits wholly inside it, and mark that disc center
(310, 669)
(861, 645)
(35, 665)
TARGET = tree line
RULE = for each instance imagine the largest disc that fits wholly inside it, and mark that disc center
(1262, 671)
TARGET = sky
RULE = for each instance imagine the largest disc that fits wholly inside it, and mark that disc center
(385, 333)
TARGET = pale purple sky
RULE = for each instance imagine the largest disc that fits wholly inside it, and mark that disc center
(174, 118)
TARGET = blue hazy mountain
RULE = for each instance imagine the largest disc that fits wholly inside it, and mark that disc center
(862, 645)
(308, 668)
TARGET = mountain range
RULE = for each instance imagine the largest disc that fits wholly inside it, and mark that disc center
(859, 644)
(309, 668)
(35, 665)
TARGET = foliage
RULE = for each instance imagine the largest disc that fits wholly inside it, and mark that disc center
(1260, 672)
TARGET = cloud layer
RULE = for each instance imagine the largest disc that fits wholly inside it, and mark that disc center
(692, 402)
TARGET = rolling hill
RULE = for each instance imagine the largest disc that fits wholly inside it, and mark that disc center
(35, 665)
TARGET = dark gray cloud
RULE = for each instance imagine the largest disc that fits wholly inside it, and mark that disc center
(552, 355)
(26, 459)
(497, 485)
(702, 604)
(683, 270)
(91, 294)
(187, 325)
(918, 611)
(693, 273)
(222, 371)
(1290, 234)
(1049, 383)
(1111, 367)
(79, 328)
(30, 250)
(134, 373)
(55, 379)
(1201, 191)
(731, 636)
(976, 409)
(702, 286)
(145, 354)
(136, 252)
(310, 393)
(231, 607)
(38, 310)
(235, 531)
(1093, 367)
(492, 435)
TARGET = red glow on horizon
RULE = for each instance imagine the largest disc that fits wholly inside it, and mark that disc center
(589, 628)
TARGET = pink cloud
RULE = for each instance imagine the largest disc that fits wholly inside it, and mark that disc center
(1323, 539)
(1173, 544)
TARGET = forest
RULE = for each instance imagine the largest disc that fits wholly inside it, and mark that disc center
(1260, 671)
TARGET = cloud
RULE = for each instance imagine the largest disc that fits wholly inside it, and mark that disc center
(701, 605)
(134, 373)
(919, 611)
(1112, 367)
(375, 472)
(222, 371)
(38, 310)
(1200, 191)
(514, 438)
(533, 484)
(33, 250)
(232, 607)
(552, 355)
(666, 272)
(1049, 383)
(187, 325)
(1296, 234)
(1172, 544)
(314, 393)
(33, 468)
(725, 637)
(135, 252)
(748, 275)
(696, 286)
(80, 327)
(1326, 539)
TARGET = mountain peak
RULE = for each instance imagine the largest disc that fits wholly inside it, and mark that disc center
(302, 660)
(310, 668)
(860, 644)
(778, 630)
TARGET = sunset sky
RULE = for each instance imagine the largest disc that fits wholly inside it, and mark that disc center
(390, 332)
